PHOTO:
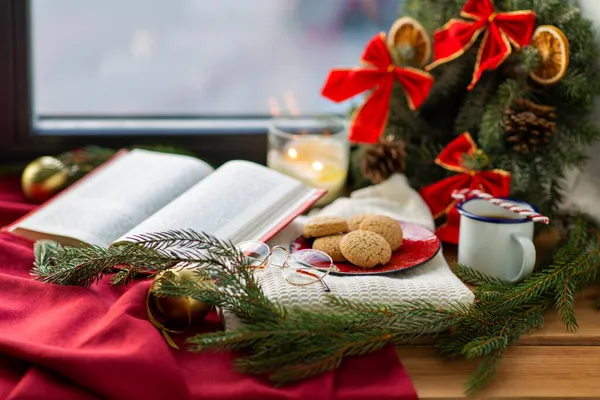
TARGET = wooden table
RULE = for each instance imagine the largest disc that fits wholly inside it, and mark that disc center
(551, 364)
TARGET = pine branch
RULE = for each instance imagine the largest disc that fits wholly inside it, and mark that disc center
(530, 58)
(408, 320)
(474, 277)
(178, 238)
(484, 346)
(565, 304)
(473, 107)
(295, 372)
(329, 361)
(44, 251)
(484, 373)
(268, 359)
(87, 265)
(491, 127)
(227, 340)
(453, 346)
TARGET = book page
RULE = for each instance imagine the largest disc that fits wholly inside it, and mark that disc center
(226, 202)
(111, 201)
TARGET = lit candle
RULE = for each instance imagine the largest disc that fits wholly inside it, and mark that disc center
(320, 161)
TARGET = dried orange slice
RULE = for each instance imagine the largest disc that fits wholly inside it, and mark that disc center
(553, 47)
(410, 41)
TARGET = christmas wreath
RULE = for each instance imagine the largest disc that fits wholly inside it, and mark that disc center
(520, 77)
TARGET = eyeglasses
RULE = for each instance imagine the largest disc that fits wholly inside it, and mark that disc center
(300, 268)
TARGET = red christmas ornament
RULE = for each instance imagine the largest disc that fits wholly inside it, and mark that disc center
(378, 75)
(502, 29)
(439, 195)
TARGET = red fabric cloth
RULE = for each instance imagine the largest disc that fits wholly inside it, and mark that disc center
(59, 342)
(378, 75)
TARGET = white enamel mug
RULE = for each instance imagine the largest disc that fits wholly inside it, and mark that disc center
(496, 241)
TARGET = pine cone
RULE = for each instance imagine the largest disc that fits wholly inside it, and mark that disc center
(528, 125)
(381, 160)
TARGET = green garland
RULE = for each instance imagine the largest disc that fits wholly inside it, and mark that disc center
(289, 344)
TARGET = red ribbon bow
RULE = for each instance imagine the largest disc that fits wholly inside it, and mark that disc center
(379, 74)
(501, 30)
(438, 196)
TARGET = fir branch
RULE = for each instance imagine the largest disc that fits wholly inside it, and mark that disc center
(266, 358)
(475, 277)
(574, 85)
(43, 263)
(530, 58)
(453, 346)
(363, 343)
(233, 340)
(155, 253)
(122, 277)
(295, 372)
(178, 238)
(473, 107)
(484, 346)
(408, 321)
(84, 266)
(565, 304)
(485, 372)
(491, 127)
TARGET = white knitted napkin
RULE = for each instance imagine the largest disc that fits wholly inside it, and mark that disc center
(433, 282)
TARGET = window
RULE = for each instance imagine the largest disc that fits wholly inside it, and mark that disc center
(112, 71)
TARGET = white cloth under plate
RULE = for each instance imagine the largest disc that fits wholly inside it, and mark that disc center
(433, 282)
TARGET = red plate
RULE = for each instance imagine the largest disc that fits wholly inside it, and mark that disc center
(418, 246)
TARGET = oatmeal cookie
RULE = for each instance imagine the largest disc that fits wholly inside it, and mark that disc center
(365, 249)
(330, 245)
(355, 221)
(324, 226)
(387, 227)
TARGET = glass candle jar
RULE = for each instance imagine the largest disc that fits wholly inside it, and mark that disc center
(311, 150)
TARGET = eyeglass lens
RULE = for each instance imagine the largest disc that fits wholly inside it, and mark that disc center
(255, 252)
(306, 266)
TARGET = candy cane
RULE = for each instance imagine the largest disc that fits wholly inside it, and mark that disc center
(463, 194)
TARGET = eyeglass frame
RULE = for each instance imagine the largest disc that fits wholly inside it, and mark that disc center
(267, 262)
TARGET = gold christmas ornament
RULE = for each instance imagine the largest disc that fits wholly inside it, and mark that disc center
(553, 48)
(174, 315)
(43, 178)
(410, 41)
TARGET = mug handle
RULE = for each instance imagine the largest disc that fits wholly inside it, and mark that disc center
(528, 257)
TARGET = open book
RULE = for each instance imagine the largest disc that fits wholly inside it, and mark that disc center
(143, 191)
